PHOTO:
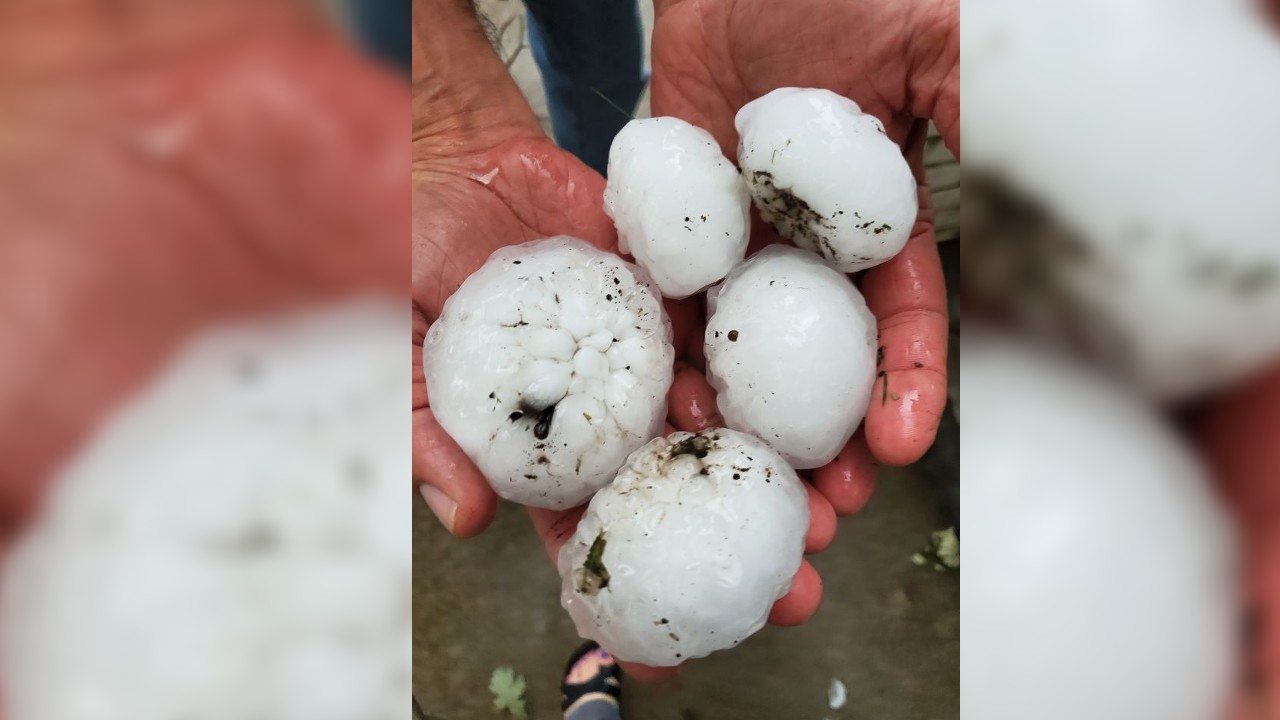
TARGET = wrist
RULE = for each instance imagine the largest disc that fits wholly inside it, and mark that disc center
(464, 100)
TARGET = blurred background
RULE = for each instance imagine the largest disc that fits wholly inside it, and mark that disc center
(888, 630)
(203, 442)
(1121, 477)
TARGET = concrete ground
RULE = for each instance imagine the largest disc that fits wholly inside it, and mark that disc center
(888, 629)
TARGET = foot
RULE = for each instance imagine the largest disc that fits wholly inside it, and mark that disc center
(592, 675)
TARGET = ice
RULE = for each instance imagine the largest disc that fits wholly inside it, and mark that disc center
(523, 420)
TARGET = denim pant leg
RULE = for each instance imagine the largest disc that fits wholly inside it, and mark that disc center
(591, 53)
(595, 710)
(383, 27)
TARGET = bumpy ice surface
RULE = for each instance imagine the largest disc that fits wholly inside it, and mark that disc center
(234, 545)
(687, 550)
(826, 177)
(679, 205)
(1099, 568)
(791, 352)
(548, 367)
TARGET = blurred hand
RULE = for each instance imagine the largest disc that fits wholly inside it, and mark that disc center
(164, 166)
(899, 60)
(1239, 434)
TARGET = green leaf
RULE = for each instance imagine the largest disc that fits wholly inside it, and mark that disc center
(508, 692)
(942, 552)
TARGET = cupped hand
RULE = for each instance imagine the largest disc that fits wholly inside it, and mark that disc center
(169, 167)
(512, 190)
(900, 62)
(504, 186)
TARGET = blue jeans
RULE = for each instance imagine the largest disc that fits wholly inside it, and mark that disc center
(595, 710)
(383, 28)
(591, 54)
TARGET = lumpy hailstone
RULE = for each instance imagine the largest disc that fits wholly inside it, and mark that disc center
(1100, 570)
(791, 352)
(548, 367)
(680, 207)
(826, 177)
(687, 550)
(235, 545)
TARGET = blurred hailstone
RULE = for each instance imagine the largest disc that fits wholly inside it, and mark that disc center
(1100, 571)
(1143, 132)
(234, 545)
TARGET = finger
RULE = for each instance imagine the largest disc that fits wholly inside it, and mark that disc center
(848, 481)
(798, 605)
(691, 402)
(685, 322)
(418, 377)
(908, 296)
(647, 674)
(451, 485)
(554, 527)
(822, 522)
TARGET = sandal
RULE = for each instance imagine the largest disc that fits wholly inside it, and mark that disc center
(605, 685)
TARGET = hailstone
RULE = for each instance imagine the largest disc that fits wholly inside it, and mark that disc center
(1162, 257)
(548, 367)
(791, 352)
(680, 207)
(234, 545)
(687, 550)
(826, 176)
(1100, 569)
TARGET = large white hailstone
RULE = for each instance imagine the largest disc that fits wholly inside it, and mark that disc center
(1167, 263)
(548, 367)
(826, 177)
(1100, 571)
(687, 550)
(234, 545)
(791, 352)
(680, 207)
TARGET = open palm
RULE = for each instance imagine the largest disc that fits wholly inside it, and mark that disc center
(900, 62)
(465, 206)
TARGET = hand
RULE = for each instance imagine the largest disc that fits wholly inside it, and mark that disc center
(484, 176)
(170, 166)
(1239, 435)
(900, 62)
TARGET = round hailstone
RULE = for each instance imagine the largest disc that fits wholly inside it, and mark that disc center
(1099, 571)
(826, 177)
(679, 205)
(791, 352)
(687, 550)
(234, 544)
(548, 367)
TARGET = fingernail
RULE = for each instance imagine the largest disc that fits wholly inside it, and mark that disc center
(440, 504)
